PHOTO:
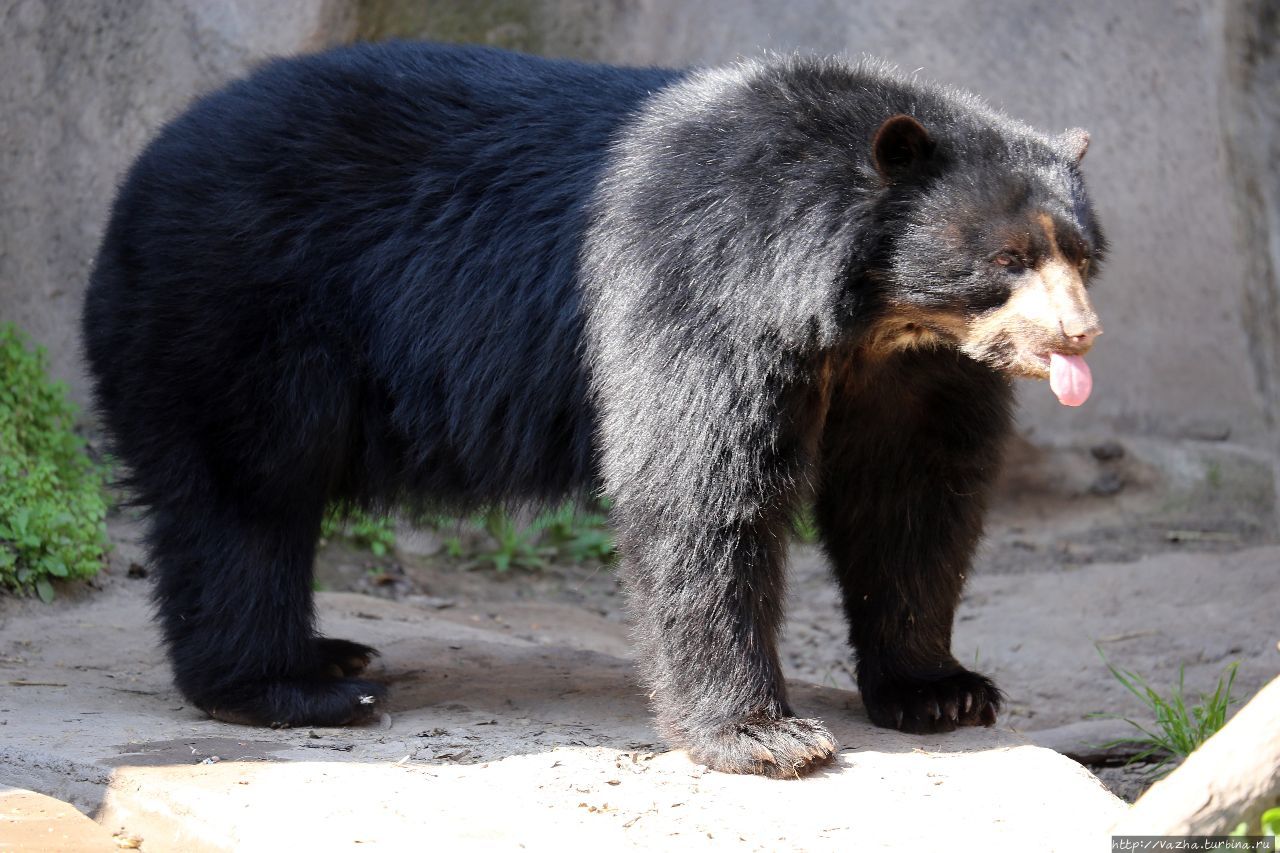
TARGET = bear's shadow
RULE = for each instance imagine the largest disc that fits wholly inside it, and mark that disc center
(535, 697)
(459, 695)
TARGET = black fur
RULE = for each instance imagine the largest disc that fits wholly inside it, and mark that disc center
(460, 276)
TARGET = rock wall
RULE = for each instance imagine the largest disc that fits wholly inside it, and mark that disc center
(1250, 115)
(83, 85)
(1180, 96)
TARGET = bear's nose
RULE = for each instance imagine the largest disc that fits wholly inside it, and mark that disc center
(1080, 330)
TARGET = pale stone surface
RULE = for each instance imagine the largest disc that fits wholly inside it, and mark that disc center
(34, 823)
(493, 741)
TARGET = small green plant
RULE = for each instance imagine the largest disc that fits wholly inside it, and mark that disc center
(1268, 824)
(374, 532)
(1179, 729)
(516, 545)
(52, 502)
(804, 524)
(568, 533)
(578, 534)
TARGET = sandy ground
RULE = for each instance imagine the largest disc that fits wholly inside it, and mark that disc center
(491, 742)
(1152, 553)
(1162, 556)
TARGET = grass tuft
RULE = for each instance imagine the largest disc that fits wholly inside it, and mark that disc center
(1179, 728)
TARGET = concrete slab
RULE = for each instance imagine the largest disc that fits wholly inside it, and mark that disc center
(492, 742)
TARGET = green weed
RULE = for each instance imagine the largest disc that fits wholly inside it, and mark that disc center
(52, 503)
(375, 532)
(578, 534)
(565, 534)
(804, 525)
(1178, 729)
(515, 545)
(568, 533)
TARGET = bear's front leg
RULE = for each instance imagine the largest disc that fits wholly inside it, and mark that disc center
(909, 451)
(703, 447)
(706, 603)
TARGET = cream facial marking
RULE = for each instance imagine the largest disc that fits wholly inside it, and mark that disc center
(1051, 298)
(1064, 293)
(1047, 313)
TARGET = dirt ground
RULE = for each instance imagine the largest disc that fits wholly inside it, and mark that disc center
(488, 742)
(1157, 554)
(1059, 510)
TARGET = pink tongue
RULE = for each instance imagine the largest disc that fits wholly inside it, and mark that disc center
(1070, 379)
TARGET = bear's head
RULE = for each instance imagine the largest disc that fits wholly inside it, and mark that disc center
(997, 246)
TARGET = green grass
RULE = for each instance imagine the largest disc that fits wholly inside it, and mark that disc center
(805, 525)
(1179, 728)
(374, 532)
(53, 506)
(568, 533)
(514, 545)
(578, 534)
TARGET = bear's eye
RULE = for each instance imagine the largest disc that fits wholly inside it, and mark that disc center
(1009, 258)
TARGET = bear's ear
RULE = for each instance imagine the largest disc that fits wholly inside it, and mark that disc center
(900, 145)
(1074, 143)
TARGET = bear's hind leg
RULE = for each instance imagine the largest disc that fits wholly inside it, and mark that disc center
(344, 657)
(235, 603)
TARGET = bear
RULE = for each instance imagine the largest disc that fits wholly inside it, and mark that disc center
(420, 275)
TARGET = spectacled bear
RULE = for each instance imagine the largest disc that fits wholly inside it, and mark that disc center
(456, 276)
